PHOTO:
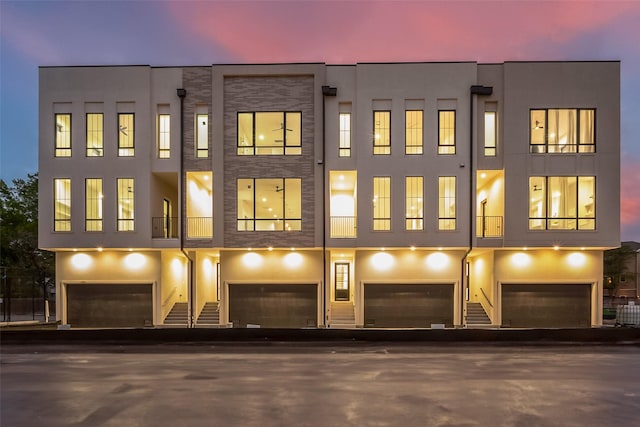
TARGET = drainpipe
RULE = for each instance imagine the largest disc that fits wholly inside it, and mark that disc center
(326, 91)
(474, 90)
(181, 94)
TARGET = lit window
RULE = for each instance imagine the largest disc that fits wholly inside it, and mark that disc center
(93, 204)
(382, 132)
(562, 130)
(63, 135)
(95, 135)
(269, 133)
(345, 135)
(269, 204)
(414, 207)
(202, 135)
(164, 136)
(381, 203)
(62, 204)
(126, 134)
(125, 204)
(446, 132)
(413, 132)
(490, 133)
(342, 281)
(562, 203)
(199, 205)
(447, 203)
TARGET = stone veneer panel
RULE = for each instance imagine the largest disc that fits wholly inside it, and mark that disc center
(197, 82)
(268, 93)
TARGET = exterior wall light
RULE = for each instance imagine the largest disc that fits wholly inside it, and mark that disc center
(134, 261)
(252, 260)
(520, 260)
(81, 261)
(577, 259)
(438, 261)
(382, 261)
(293, 260)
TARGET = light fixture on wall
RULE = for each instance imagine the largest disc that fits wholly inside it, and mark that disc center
(538, 125)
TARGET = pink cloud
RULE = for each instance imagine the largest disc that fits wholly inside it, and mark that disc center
(394, 31)
(630, 193)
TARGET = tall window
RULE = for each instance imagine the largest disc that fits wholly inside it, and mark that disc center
(126, 134)
(269, 133)
(382, 132)
(414, 204)
(562, 130)
(447, 203)
(93, 204)
(164, 136)
(381, 203)
(490, 133)
(413, 132)
(63, 135)
(202, 135)
(62, 204)
(345, 135)
(269, 204)
(562, 203)
(446, 132)
(125, 204)
(95, 135)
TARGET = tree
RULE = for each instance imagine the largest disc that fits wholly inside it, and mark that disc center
(19, 251)
(615, 266)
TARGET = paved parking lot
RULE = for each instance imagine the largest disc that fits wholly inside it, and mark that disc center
(289, 384)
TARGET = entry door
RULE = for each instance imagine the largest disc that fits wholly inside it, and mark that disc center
(342, 278)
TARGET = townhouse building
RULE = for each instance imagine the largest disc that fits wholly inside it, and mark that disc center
(381, 195)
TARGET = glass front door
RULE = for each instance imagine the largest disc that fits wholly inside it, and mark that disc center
(342, 281)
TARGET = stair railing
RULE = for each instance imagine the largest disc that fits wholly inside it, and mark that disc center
(169, 297)
(486, 297)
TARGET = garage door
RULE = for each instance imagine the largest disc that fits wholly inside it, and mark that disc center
(273, 305)
(546, 306)
(109, 305)
(407, 305)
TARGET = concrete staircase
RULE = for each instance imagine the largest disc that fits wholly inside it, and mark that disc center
(476, 316)
(178, 315)
(342, 315)
(210, 314)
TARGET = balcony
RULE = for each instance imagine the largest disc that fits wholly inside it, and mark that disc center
(199, 227)
(343, 227)
(489, 227)
(164, 228)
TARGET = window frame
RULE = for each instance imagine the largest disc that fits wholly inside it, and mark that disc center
(127, 150)
(381, 204)
(249, 223)
(444, 202)
(576, 148)
(164, 136)
(491, 149)
(414, 201)
(125, 224)
(62, 139)
(98, 134)
(344, 135)
(418, 148)
(383, 148)
(58, 221)
(446, 149)
(93, 203)
(253, 149)
(201, 144)
(546, 198)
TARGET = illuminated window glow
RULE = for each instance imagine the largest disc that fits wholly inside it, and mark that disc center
(202, 135)
(490, 133)
(446, 132)
(63, 135)
(126, 200)
(382, 132)
(164, 136)
(381, 203)
(562, 203)
(447, 203)
(269, 133)
(95, 135)
(413, 132)
(62, 204)
(199, 205)
(126, 134)
(345, 135)
(269, 204)
(93, 204)
(562, 130)
(414, 203)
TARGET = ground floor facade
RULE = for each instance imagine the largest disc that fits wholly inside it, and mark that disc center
(335, 288)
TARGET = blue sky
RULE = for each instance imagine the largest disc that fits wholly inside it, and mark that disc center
(44, 33)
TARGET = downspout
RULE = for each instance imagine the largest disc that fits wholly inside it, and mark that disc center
(181, 94)
(326, 91)
(474, 90)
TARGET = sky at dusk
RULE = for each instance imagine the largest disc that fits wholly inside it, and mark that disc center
(168, 33)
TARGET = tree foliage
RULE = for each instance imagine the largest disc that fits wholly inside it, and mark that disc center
(19, 231)
(615, 266)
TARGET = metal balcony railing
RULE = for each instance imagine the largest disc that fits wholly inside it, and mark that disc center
(343, 227)
(164, 227)
(199, 227)
(489, 226)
